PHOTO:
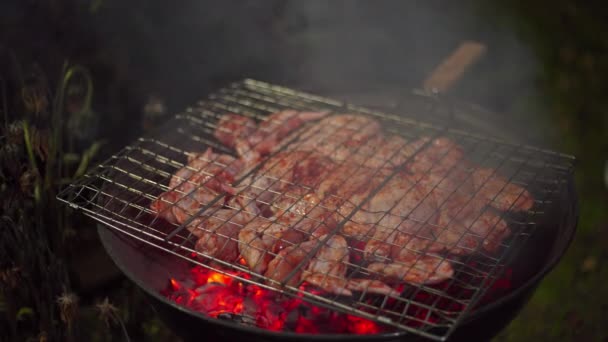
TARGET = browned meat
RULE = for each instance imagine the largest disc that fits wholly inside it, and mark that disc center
(287, 260)
(253, 141)
(417, 270)
(327, 270)
(233, 127)
(294, 171)
(218, 233)
(464, 222)
(436, 201)
(499, 192)
(195, 185)
(256, 240)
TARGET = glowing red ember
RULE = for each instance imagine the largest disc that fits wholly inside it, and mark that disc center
(222, 296)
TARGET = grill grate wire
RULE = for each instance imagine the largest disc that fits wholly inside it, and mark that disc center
(119, 191)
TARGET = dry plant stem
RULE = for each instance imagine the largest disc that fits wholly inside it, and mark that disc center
(32, 159)
(31, 237)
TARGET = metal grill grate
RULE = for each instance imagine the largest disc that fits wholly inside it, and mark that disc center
(119, 194)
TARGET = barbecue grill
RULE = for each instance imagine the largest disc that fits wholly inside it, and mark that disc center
(151, 251)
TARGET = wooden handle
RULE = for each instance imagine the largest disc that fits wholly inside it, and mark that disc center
(454, 66)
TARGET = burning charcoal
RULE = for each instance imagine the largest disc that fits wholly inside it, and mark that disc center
(248, 320)
(226, 316)
(292, 319)
(242, 319)
(218, 295)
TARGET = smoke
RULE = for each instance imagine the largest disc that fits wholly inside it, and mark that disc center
(183, 51)
(380, 46)
(362, 44)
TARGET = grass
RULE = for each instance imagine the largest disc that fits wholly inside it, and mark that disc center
(570, 40)
(37, 297)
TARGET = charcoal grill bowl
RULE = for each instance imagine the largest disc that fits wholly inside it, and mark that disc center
(150, 268)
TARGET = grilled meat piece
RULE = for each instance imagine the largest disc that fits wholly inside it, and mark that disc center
(327, 270)
(436, 201)
(197, 184)
(253, 141)
(416, 270)
(256, 240)
(287, 260)
(218, 233)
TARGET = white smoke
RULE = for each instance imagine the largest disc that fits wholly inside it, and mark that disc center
(189, 49)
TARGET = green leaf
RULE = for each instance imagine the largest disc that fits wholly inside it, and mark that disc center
(32, 159)
(87, 156)
(24, 313)
(151, 328)
(71, 158)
